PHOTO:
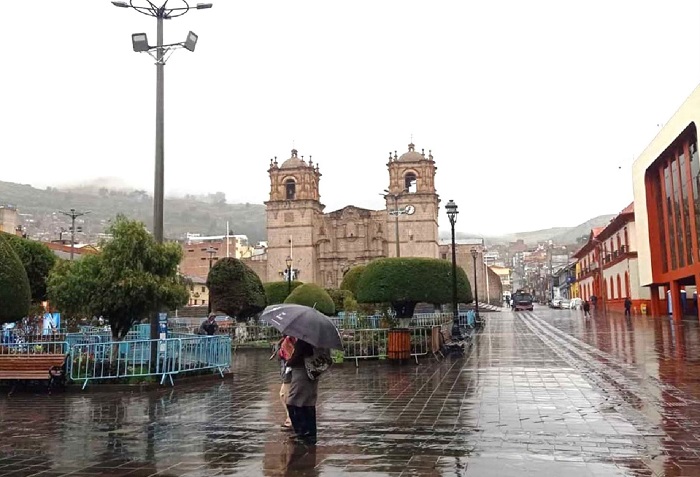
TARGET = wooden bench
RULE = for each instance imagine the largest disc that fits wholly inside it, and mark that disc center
(33, 367)
(446, 344)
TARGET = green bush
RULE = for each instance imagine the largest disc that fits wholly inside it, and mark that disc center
(314, 296)
(38, 260)
(235, 289)
(351, 279)
(276, 292)
(340, 298)
(15, 294)
(405, 282)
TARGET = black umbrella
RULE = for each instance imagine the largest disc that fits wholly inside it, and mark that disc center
(304, 323)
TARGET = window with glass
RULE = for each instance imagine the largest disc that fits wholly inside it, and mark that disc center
(661, 225)
(685, 206)
(695, 179)
(677, 212)
(669, 216)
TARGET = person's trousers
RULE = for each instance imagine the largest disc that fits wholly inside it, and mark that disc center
(628, 312)
(304, 422)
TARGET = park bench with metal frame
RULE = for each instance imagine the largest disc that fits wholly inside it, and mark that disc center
(33, 367)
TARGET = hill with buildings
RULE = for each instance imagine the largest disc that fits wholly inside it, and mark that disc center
(559, 235)
(205, 215)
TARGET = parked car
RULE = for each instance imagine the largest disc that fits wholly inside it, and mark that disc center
(576, 304)
(555, 303)
(565, 304)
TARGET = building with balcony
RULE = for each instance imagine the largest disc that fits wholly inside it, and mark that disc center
(608, 265)
(666, 180)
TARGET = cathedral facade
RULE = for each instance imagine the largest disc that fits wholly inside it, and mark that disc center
(324, 246)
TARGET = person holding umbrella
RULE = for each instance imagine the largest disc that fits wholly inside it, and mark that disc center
(315, 335)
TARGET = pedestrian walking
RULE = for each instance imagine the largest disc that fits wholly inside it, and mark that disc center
(208, 326)
(628, 307)
(302, 394)
(586, 308)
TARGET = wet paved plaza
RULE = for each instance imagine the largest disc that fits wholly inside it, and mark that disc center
(539, 393)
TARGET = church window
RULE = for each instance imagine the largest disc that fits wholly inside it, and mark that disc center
(290, 187)
(410, 181)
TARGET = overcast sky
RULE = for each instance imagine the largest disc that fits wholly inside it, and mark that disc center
(534, 110)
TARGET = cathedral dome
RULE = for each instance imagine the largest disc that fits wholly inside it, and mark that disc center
(293, 161)
(411, 155)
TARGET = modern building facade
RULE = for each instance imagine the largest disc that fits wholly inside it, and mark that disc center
(666, 179)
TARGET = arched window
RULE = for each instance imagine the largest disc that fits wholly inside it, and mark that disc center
(627, 243)
(612, 289)
(619, 242)
(619, 286)
(410, 181)
(628, 289)
(290, 187)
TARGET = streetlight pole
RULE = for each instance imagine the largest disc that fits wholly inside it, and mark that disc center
(73, 215)
(452, 212)
(476, 284)
(211, 251)
(396, 214)
(289, 262)
(140, 44)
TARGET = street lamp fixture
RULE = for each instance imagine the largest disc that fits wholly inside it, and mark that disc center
(475, 253)
(140, 44)
(167, 10)
(452, 212)
(289, 263)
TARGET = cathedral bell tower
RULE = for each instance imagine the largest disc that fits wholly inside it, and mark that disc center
(412, 195)
(293, 209)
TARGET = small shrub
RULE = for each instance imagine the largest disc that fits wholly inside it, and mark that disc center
(277, 292)
(339, 298)
(351, 278)
(314, 296)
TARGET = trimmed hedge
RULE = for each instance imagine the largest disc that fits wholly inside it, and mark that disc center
(15, 294)
(405, 282)
(351, 278)
(312, 295)
(340, 298)
(235, 289)
(276, 292)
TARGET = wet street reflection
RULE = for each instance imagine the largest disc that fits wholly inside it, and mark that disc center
(540, 393)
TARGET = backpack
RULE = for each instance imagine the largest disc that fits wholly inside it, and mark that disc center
(318, 363)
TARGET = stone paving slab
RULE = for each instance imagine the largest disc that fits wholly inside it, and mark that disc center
(539, 393)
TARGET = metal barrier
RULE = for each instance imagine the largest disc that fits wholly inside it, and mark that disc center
(132, 359)
(372, 343)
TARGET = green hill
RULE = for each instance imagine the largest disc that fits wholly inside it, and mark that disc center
(195, 214)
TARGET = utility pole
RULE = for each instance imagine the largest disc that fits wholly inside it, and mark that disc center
(73, 215)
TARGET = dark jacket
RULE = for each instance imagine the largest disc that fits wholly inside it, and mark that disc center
(302, 350)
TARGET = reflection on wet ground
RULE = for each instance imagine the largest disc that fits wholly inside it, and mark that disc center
(540, 393)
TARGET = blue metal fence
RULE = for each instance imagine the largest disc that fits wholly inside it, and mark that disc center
(106, 360)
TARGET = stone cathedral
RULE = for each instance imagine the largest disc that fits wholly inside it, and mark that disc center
(323, 246)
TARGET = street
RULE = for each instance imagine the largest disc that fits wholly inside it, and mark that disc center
(542, 393)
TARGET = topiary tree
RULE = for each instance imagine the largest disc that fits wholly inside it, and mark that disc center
(15, 294)
(340, 298)
(38, 260)
(235, 289)
(405, 282)
(277, 292)
(312, 295)
(351, 278)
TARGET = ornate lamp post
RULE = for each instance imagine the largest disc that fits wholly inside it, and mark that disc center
(452, 212)
(289, 262)
(476, 284)
(211, 251)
